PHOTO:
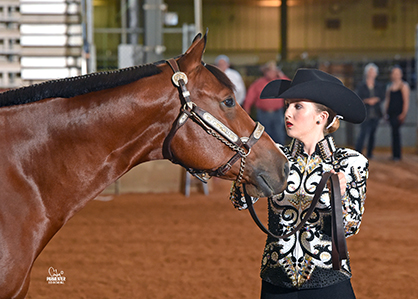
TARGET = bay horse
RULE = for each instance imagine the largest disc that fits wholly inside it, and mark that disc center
(64, 141)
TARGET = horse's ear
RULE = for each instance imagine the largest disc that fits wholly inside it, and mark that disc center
(193, 55)
(196, 39)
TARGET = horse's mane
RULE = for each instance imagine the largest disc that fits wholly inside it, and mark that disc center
(220, 76)
(74, 86)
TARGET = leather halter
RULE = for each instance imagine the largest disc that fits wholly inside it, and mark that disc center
(339, 245)
(214, 127)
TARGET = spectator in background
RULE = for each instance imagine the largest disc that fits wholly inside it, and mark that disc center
(396, 108)
(222, 62)
(270, 112)
(372, 93)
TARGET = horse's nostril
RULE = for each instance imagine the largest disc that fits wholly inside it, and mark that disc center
(286, 169)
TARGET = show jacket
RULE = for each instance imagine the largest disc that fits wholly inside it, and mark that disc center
(304, 260)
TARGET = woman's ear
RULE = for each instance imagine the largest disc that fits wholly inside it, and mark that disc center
(324, 116)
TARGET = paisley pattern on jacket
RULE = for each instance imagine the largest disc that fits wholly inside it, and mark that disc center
(304, 259)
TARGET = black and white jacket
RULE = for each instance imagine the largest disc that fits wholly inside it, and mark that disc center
(304, 260)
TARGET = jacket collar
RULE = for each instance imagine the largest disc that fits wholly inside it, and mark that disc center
(324, 148)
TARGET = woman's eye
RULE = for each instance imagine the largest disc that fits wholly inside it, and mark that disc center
(229, 102)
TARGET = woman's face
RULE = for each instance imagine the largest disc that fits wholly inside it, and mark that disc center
(371, 73)
(396, 74)
(301, 118)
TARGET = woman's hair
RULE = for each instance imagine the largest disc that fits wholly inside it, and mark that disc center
(368, 67)
(396, 66)
(334, 127)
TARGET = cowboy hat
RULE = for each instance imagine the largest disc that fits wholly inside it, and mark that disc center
(322, 88)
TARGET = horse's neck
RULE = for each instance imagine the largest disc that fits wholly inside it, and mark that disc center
(82, 145)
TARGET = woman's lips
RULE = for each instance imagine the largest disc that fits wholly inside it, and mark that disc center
(289, 124)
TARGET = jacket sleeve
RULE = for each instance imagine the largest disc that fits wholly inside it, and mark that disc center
(238, 200)
(355, 195)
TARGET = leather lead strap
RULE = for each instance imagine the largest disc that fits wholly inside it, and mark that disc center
(339, 245)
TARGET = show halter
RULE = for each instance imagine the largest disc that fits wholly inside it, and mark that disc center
(212, 126)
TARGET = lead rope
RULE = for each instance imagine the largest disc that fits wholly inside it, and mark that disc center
(339, 245)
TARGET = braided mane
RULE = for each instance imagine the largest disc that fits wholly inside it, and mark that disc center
(74, 86)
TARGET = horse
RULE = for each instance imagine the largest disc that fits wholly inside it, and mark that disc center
(64, 141)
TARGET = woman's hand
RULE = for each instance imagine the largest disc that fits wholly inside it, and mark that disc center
(343, 181)
(401, 118)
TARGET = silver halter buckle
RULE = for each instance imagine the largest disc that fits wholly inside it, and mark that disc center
(177, 76)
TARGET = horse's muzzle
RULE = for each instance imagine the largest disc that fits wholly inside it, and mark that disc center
(265, 185)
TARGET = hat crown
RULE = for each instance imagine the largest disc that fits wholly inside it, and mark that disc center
(306, 75)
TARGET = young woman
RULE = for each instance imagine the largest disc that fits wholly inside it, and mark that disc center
(396, 108)
(301, 265)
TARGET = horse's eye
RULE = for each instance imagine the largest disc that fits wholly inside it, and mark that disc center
(229, 102)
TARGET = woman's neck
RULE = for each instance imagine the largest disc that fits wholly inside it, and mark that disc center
(370, 82)
(396, 85)
(309, 144)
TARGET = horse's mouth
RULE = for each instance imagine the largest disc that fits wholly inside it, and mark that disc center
(265, 187)
(265, 184)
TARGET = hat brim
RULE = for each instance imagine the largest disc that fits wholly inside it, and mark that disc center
(337, 97)
(274, 88)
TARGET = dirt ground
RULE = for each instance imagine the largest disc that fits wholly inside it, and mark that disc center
(169, 246)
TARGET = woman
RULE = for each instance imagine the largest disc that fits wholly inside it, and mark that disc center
(396, 107)
(372, 93)
(301, 265)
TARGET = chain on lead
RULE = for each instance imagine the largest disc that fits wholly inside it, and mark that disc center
(241, 170)
(229, 144)
(235, 147)
(243, 154)
(213, 133)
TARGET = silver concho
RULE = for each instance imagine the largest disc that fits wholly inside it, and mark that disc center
(177, 76)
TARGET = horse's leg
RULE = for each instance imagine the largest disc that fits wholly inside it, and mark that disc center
(24, 288)
(14, 286)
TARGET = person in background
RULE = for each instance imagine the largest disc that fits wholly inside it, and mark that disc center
(270, 112)
(396, 108)
(372, 93)
(222, 62)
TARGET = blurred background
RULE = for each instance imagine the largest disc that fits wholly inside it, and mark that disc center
(50, 39)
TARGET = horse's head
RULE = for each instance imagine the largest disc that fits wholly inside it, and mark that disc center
(210, 90)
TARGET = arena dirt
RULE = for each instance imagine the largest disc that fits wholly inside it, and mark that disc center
(170, 246)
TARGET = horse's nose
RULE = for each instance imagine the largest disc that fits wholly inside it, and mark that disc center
(286, 170)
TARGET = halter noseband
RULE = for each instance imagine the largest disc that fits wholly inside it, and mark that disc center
(212, 126)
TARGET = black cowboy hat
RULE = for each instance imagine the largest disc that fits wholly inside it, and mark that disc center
(322, 88)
